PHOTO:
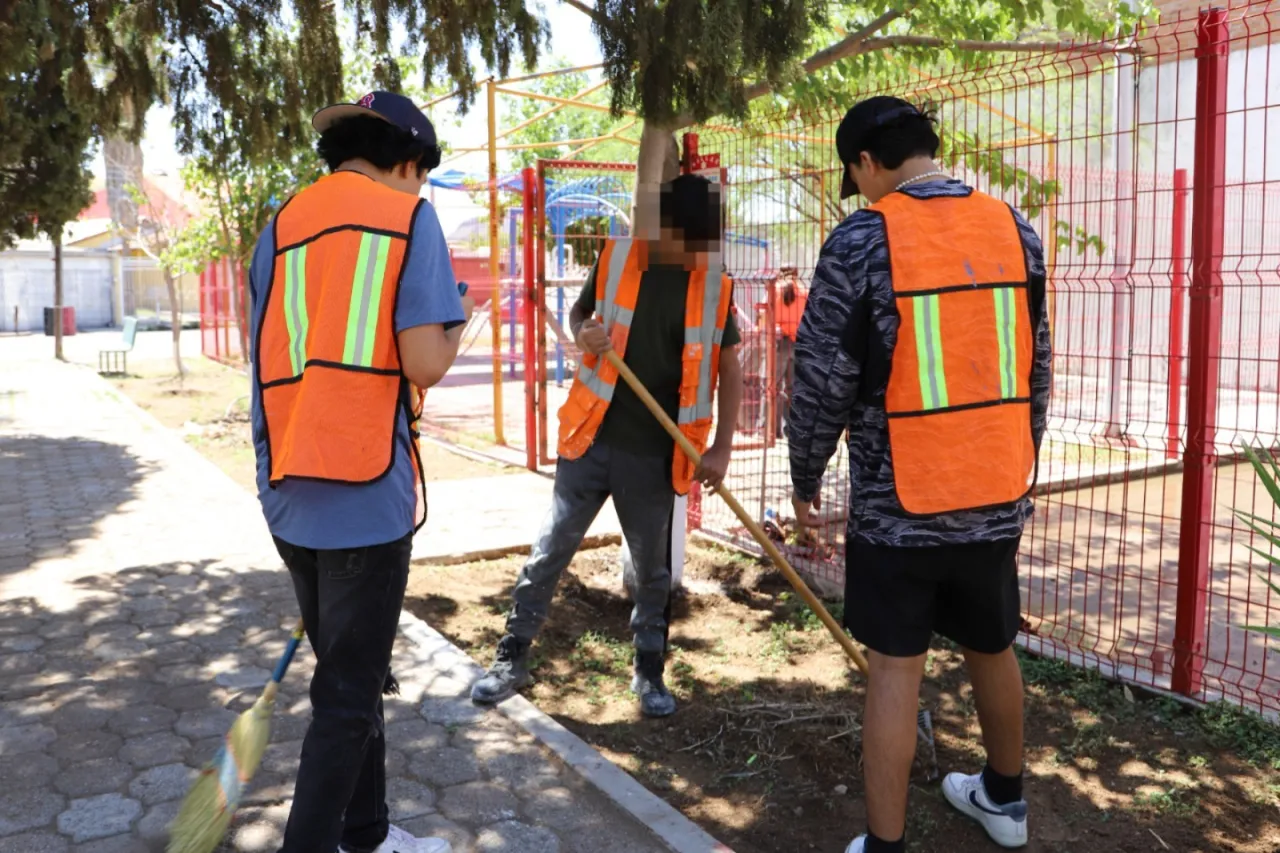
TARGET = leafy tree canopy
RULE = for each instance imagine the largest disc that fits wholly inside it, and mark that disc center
(49, 108)
(682, 61)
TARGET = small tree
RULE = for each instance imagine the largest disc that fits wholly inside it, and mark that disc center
(156, 232)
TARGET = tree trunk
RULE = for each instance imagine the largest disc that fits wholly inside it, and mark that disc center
(123, 163)
(657, 162)
(57, 295)
(175, 317)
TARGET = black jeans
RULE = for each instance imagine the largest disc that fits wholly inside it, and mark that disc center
(350, 601)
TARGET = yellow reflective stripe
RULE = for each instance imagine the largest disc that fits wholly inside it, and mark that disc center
(366, 299)
(933, 379)
(1007, 335)
(295, 306)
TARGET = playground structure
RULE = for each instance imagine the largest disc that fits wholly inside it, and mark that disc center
(1152, 171)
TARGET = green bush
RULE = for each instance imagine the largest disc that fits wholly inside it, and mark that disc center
(1269, 529)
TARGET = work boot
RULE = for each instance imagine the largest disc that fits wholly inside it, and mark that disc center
(655, 699)
(509, 673)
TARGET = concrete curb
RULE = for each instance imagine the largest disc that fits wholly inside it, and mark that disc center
(675, 830)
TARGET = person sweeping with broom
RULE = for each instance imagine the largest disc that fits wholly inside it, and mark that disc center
(926, 336)
(354, 308)
(659, 305)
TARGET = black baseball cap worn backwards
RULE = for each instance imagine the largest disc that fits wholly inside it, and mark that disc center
(862, 118)
(388, 106)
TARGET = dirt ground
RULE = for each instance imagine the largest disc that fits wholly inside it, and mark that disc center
(210, 407)
(764, 751)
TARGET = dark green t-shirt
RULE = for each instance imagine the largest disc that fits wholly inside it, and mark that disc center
(654, 348)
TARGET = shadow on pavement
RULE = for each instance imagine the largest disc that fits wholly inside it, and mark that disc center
(55, 491)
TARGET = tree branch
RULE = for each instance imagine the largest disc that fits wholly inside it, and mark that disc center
(850, 45)
(582, 7)
(994, 46)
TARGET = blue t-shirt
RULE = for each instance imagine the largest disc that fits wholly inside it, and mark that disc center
(330, 516)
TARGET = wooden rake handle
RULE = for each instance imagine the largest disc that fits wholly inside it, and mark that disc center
(765, 542)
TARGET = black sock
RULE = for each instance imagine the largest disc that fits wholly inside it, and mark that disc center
(879, 845)
(1001, 789)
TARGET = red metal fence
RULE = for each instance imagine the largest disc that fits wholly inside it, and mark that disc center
(222, 288)
(1152, 170)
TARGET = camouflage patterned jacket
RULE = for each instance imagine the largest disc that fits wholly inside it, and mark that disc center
(843, 351)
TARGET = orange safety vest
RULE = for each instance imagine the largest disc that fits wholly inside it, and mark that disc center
(788, 316)
(959, 394)
(706, 311)
(328, 360)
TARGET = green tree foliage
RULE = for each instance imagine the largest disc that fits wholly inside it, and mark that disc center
(676, 61)
(48, 117)
(50, 111)
(565, 124)
(248, 74)
(681, 61)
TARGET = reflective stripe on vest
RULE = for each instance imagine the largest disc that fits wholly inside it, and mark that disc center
(366, 299)
(958, 399)
(617, 289)
(326, 356)
(295, 305)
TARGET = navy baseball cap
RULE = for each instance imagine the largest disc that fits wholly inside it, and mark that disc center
(388, 106)
(862, 118)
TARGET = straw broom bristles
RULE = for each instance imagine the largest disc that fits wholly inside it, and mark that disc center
(211, 803)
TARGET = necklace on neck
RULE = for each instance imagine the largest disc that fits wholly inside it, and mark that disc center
(936, 173)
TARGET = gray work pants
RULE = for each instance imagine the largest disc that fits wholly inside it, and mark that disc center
(643, 497)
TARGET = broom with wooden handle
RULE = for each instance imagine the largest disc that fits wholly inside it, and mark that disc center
(924, 722)
(206, 813)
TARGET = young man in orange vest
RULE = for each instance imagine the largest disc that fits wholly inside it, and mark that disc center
(790, 297)
(666, 311)
(927, 337)
(354, 309)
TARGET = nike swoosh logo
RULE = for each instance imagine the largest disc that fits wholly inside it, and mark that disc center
(973, 801)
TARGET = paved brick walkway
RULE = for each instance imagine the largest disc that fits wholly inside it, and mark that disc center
(141, 606)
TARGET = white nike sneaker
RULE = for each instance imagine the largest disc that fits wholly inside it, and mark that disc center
(857, 845)
(399, 841)
(1006, 825)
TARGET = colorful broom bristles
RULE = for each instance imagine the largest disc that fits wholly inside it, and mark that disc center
(211, 803)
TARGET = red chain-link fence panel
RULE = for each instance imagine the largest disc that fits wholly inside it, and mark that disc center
(1151, 169)
(222, 312)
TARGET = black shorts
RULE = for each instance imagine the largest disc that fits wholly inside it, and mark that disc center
(895, 599)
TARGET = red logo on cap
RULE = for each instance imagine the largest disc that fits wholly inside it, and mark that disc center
(366, 101)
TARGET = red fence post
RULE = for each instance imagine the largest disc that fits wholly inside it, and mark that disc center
(1208, 202)
(204, 302)
(529, 177)
(217, 313)
(1177, 296)
(540, 310)
(690, 141)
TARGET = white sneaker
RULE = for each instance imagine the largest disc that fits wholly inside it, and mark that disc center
(1006, 825)
(399, 841)
(857, 845)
